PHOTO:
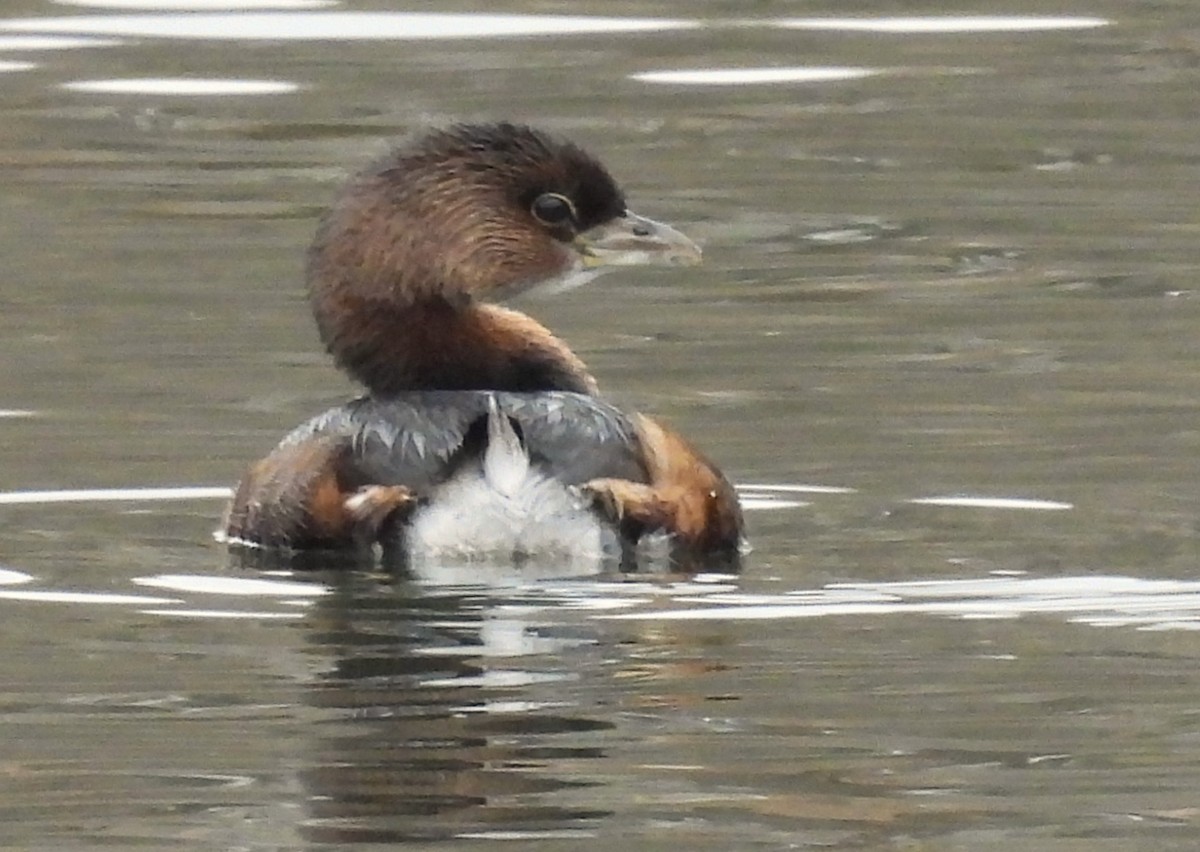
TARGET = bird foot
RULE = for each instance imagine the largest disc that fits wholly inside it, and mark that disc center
(372, 506)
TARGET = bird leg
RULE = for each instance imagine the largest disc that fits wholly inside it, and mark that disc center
(686, 495)
(309, 494)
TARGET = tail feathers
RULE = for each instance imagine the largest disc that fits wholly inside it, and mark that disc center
(505, 460)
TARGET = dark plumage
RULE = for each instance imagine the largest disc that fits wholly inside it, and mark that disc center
(414, 438)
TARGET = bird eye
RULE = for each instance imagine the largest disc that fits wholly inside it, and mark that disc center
(553, 209)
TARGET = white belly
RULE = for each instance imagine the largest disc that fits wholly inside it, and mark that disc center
(500, 510)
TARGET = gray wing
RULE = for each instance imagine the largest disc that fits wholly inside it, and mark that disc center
(415, 438)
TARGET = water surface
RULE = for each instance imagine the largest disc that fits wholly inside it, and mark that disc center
(945, 338)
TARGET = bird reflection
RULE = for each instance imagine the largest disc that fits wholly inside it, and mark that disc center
(444, 714)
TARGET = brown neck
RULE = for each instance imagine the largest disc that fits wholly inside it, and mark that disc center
(435, 345)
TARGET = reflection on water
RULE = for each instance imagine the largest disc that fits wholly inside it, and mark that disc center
(186, 86)
(934, 24)
(992, 503)
(421, 714)
(752, 76)
(8, 43)
(338, 26)
(406, 25)
(88, 598)
(958, 294)
(9, 577)
(454, 718)
(1091, 599)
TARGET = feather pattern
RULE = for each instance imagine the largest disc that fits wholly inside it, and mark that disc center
(416, 438)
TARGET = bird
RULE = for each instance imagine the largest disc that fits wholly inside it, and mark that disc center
(480, 431)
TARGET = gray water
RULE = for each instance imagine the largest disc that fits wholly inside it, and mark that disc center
(969, 273)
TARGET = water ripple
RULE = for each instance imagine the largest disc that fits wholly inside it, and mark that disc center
(337, 26)
(753, 76)
(53, 42)
(946, 24)
(1096, 600)
(185, 86)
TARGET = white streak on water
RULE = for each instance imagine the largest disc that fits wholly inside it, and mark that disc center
(993, 503)
(183, 86)
(337, 26)
(1097, 600)
(761, 503)
(223, 613)
(211, 585)
(52, 43)
(83, 597)
(795, 489)
(754, 76)
(945, 24)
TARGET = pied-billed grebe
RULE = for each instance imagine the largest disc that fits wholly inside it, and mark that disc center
(476, 415)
